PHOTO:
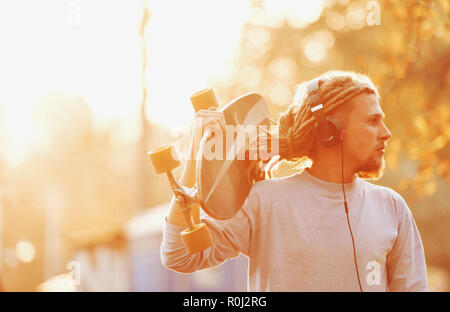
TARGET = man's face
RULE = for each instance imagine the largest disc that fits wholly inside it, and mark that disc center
(365, 135)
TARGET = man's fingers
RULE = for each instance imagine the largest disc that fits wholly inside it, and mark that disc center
(213, 122)
(215, 115)
(209, 113)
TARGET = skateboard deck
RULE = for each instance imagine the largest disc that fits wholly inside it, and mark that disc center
(224, 184)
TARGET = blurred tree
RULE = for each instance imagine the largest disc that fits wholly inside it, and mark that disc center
(142, 159)
(83, 176)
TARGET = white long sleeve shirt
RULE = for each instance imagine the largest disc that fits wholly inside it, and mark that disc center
(294, 232)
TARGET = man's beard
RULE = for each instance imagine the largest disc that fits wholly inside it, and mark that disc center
(373, 169)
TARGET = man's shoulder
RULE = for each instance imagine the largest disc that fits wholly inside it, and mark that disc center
(381, 189)
(274, 185)
(385, 193)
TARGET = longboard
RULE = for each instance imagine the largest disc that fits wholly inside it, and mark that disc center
(224, 184)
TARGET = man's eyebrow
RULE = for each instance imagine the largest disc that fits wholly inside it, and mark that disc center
(382, 116)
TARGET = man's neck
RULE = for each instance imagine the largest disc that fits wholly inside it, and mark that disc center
(327, 167)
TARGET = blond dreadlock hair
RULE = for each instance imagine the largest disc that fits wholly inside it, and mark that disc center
(336, 88)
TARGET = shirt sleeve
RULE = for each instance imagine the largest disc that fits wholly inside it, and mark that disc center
(230, 238)
(405, 264)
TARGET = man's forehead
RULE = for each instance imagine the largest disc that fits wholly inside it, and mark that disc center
(367, 105)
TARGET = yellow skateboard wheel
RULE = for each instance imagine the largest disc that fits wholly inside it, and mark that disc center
(164, 158)
(198, 239)
(204, 99)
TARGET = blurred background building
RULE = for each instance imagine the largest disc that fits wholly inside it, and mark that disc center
(88, 87)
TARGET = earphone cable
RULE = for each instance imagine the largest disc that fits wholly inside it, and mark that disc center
(348, 220)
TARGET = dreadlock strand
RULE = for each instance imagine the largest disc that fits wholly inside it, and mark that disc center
(341, 97)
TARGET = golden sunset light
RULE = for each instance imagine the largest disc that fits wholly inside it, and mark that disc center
(98, 191)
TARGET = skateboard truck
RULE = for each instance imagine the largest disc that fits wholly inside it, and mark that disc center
(196, 237)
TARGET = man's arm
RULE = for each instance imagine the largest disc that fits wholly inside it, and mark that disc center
(230, 238)
(405, 264)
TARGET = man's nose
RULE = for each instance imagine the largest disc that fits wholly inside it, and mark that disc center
(386, 134)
